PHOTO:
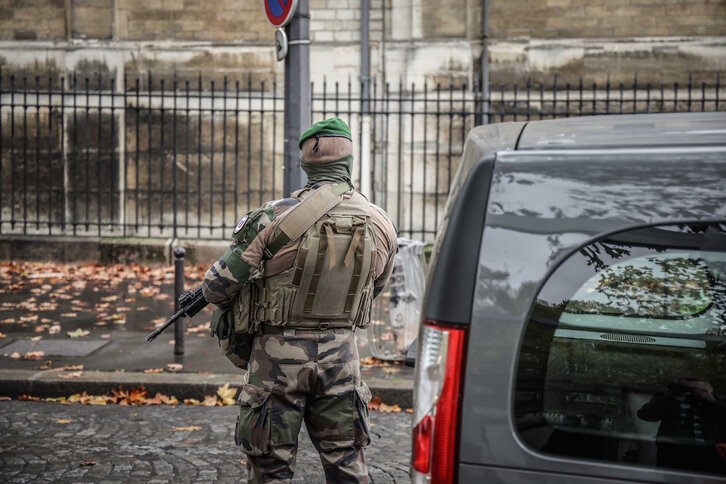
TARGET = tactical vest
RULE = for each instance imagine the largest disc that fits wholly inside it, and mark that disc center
(331, 282)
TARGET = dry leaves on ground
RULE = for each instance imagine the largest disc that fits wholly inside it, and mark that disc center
(63, 421)
(377, 405)
(138, 396)
(174, 366)
(33, 355)
(190, 428)
(154, 370)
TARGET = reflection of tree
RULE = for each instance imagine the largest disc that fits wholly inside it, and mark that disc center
(663, 287)
(594, 251)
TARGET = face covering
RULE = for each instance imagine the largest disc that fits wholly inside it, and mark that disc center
(329, 171)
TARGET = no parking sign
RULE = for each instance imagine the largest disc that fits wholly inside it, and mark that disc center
(279, 12)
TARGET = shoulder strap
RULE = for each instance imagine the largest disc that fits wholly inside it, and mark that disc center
(305, 214)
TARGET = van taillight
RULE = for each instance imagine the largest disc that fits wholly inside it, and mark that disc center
(437, 393)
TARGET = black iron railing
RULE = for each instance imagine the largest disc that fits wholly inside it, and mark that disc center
(186, 158)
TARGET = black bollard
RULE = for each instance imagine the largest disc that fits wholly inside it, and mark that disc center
(178, 291)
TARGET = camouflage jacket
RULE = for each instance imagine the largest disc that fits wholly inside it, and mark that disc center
(243, 261)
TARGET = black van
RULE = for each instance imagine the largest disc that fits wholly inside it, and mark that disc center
(574, 325)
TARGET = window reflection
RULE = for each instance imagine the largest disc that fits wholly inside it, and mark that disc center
(622, 359)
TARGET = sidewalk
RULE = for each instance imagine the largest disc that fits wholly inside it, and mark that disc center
(56, 317)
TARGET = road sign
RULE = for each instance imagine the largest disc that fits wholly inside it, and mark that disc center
(279, 12)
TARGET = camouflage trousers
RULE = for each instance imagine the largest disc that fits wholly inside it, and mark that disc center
(310, 375)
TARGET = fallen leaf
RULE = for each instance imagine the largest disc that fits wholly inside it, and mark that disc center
(383, 408)
(33, 355)
(375, 403)
(63, 421)
(70, 368)
(78, 333)
(227, 394)
(190, 428)
(36, 338)
(5, 399)
(210, 401)
(68, 315)
(55, 400)
(174, 366)
(88, 463)
(154, 370)
(55, 329)
(191, 401)
(28, 398)
(3, 335)
(105, 336)
(243, 462)
(46, 365)
(409, 410)
(69, 376)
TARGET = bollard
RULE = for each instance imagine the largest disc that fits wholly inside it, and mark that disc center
(178, 291)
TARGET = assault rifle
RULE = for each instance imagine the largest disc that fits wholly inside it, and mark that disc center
(190, 303)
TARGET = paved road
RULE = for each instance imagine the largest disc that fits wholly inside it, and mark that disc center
(44, 442)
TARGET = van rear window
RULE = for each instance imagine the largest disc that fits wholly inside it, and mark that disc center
(622, 358)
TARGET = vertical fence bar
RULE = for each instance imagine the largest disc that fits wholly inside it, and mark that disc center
(411, 161)
(136, 150)
(594, 98)
(25, 154)
(400, 150)
(554, 97)
(262, 141)
(515, 107)
(173, 158)
(274, 138)
(635, 93)
(74, 183)
(567, 100)
(187, 113)
(675, 97)
(88, 153)
(451, 132)
(224, 155)
(690, 88)
(236, 149)
(579, 87)
(199, 155)
(37, 152)
(607, 95)
(501, 102)
(50, 151)
(529, 99)
(122, 129)
(703, 97)
(62, 135)
(148, 167)
(384, 168)
(437, 189)
(211, 159)
(99, 161)
(374, 133)
(12, 151)
(249, 141)
(113, 153)
(162, 157)
(425, 152)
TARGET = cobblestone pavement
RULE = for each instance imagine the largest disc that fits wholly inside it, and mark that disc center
(47, 442)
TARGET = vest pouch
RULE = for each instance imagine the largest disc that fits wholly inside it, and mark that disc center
(242, 307)
(363, 315)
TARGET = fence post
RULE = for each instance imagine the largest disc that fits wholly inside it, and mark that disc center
(178, 291)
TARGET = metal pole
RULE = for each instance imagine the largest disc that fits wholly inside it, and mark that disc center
(297, 94)
(365, 124)
(178, 291)
(485, 60)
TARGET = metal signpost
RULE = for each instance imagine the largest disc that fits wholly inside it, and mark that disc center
(294, 16)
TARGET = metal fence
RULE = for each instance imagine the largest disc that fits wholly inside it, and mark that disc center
(144, 157)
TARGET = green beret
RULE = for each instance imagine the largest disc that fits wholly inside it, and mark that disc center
(331, 127)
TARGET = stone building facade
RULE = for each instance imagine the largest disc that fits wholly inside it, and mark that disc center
(409, 39)
(143, 158)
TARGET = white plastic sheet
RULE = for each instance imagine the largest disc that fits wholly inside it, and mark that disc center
(397, 311)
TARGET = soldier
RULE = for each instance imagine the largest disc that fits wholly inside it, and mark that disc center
(299, 278)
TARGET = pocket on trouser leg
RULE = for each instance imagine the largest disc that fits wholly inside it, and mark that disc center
(252, 432)
(362, 424)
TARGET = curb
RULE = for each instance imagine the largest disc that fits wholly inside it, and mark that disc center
(50, 383)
